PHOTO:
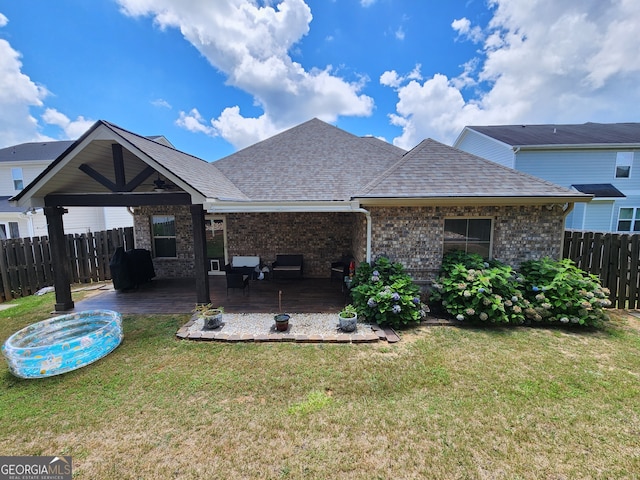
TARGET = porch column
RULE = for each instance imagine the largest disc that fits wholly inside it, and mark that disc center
(59, 258)
(200, 252)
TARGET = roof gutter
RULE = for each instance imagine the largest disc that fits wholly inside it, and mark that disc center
(235, 206)
(458, 200)
(582, 146)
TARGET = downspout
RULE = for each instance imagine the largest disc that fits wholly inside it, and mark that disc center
(30, 213)
(367, 215)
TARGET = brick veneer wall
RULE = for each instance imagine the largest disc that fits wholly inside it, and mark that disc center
(359, 242)
(320, 237)
(183, 265)
(414, 235)
(411, 235)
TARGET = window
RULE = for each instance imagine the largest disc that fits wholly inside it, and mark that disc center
(629, 220)
(9, 230)
(472, 235)
(164, 235)
(18, 182)
(14, 231)
(624, 160)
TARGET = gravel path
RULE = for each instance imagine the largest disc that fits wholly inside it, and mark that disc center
(262, 323)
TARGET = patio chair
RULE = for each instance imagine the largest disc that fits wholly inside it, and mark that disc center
(237, 280)
(340, 269)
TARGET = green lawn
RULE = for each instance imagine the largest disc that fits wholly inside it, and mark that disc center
(444, 403)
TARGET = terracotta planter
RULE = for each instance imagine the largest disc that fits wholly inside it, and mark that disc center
(282, 322)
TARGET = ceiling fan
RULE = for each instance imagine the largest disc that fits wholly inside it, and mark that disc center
(161, 185)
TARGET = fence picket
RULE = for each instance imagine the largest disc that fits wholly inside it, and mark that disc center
(26, 266)
(4, 274)
(633, 272)
(30, 269)
(623, 271)
(596, 258)
(46, 260)
(614, 258)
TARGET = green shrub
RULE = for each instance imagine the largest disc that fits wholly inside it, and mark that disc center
(460, 257)
(561, 292)
(386, 294)
(544, 291)
(488, 294)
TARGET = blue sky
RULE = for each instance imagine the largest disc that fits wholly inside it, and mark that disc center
(216, 76)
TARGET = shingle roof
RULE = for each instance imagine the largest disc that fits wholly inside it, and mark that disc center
(577, 134)
(433, 169)
(201, 175)
(34, 151)
(599, 190)
(312, 161)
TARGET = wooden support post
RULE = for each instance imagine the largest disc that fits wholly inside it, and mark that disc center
(60, 259)
(200, 252)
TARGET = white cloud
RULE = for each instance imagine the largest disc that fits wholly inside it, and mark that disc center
(73, 129)
(392, 79)
(18, 93)
(194, 122)
(161, 103)
(250, 44)
(465, 30)
(367, 3)
(542, 61)
(399, 33)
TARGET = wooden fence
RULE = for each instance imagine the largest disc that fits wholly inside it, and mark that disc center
(26, 266)
(612, 257)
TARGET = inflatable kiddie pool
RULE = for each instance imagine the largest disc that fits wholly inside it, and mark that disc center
(60, 344)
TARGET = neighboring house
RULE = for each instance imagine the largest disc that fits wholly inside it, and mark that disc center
(314, 190)
(19, 165)
(594, 158)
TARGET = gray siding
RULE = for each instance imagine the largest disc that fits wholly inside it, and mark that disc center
(575, 219)
(598, 216)
(569, 167)
(485, 147)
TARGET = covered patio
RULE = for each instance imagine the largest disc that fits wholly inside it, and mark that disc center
(178, 296)
(312, 303)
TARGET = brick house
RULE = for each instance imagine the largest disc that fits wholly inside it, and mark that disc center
(315, 190)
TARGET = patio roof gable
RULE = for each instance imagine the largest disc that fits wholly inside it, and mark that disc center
(111, 166)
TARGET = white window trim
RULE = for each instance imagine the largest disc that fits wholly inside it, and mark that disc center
(623, 159)
(633, 219)
(154, 236)
(19, 178)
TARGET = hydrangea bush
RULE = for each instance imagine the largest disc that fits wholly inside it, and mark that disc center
(386, 294)
(544, 291)
(561, 292)
(487, 294)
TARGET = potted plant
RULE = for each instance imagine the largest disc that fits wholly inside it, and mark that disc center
(348, 318)
(211, 316)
